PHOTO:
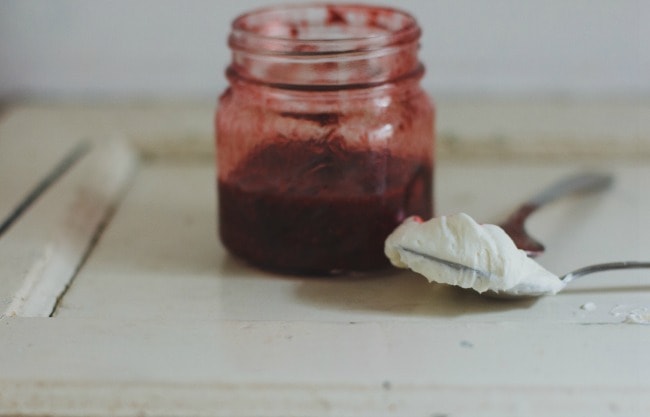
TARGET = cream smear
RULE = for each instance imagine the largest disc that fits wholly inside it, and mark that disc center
(494, 262)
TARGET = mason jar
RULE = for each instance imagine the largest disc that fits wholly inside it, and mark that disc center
(325, 139)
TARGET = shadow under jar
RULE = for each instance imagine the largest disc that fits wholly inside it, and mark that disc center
(325, 140)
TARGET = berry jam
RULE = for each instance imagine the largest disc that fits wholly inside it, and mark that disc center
(325, 138)
(319, 206)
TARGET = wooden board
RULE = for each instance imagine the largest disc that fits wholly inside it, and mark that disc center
(160, 320)
(42, 249)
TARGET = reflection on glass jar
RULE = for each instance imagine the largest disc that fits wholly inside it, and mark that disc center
(325, 140)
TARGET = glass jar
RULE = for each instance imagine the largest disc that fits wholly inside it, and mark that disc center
(325, 140)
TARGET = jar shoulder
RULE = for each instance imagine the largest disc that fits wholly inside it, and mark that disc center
(324, 107)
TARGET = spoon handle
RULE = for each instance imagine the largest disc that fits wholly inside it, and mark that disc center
(610, 266)
(579, 183)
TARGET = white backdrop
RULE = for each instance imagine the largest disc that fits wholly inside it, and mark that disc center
(176, 48)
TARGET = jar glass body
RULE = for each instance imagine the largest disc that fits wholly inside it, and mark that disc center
(322, 150)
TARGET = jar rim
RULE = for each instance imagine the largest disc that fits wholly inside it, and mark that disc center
(322, 29)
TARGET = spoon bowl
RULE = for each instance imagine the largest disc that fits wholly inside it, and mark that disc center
(527, 291)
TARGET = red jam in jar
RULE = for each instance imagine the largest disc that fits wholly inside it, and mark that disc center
(325, 140)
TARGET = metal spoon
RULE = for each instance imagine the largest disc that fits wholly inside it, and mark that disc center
(527, 293)
(590, 269)
(514, 225)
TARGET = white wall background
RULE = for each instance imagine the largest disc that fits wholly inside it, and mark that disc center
(176, 48)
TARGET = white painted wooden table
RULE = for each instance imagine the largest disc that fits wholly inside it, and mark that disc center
(118, 300)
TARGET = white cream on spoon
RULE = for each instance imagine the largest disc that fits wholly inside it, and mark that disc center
(489, 258)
